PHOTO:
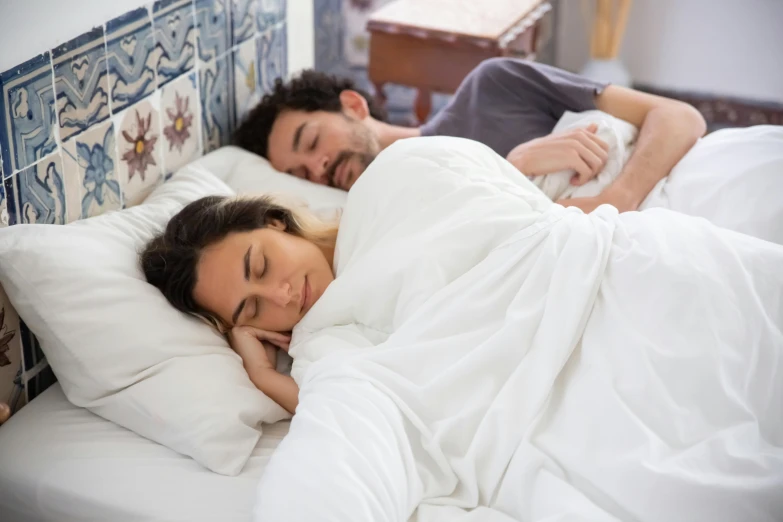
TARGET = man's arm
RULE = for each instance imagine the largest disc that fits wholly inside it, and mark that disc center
(668, 130)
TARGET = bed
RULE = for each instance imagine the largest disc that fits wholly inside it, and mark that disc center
(61, 463)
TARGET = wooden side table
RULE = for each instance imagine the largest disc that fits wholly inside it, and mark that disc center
(433, 44)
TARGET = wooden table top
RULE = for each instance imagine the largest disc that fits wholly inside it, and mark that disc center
(475, 19)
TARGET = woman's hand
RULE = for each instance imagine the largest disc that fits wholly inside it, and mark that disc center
(257, 347)
(258, 350)
(578, 149)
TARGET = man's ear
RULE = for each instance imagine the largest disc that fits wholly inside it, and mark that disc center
(354, 104)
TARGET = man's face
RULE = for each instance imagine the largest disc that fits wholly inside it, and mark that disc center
(330, 148)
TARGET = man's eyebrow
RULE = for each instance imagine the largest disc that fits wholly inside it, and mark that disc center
(298, 136)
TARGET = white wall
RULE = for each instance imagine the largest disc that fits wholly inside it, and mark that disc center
(729, 47)
(301, 52)
(31, 27)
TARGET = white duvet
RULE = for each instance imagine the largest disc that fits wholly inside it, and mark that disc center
(485, 355)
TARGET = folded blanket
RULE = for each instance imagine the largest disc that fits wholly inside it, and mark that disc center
(487, 355)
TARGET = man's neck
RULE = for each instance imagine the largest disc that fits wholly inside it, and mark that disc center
(388, 134)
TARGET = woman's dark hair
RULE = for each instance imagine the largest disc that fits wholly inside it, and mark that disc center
(169, 260)
(310, 91)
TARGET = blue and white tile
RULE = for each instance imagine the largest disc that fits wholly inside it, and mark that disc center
(243, 14)
(3, 208)
(131, 59)
(247, 89)
(90, 160)
(329, 27)
(37, 194)
(27, 112)
(217, 104)
(175, 34)
(271, 12)
(81, 83)
(213, 19)
(139, 164)
(10, 347)
(272, 56)
(181, 117)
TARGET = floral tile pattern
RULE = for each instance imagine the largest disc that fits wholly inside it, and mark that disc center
(81, 83)
(139, 161)
(37, 194)
(180, 114)
(213, 19)
(247, 90)
(175, 33)
(272, 12)
(217, 93)
(272, 56)
(27, 111)
(129, 51)
(242, 20)
(91, 160)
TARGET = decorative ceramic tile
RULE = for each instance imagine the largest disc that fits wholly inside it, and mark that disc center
(214, 28)
(217, 104)
(272, 56)
(139, 162)
(328, 21)
(10, 353)
(175, 33)
(37, 194)
(3, 208)
(81, 83)
(129, 50)
(180, 113)
(272, 12)
(247, 91)
(242, 20)
(91, 160)
(27, 112)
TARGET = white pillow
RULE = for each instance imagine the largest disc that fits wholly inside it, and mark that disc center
(251, 174)
(116, 345)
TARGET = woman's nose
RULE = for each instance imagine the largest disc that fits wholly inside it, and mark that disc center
(281, 294)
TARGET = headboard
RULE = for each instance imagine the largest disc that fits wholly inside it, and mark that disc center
(95, 124)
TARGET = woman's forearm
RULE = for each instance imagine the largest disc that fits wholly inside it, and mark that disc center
(280, 388)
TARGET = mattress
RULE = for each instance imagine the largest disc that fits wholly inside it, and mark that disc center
(61, 463)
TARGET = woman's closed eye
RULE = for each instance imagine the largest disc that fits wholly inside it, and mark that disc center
(314, 144)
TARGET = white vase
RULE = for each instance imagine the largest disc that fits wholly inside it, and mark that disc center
(609, 71)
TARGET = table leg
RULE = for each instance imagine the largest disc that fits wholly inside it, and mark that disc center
(380, 95)
(423, 105)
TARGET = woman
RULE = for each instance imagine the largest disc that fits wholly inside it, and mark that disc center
(252, 268)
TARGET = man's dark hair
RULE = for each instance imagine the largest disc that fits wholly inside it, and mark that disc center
(310, 91)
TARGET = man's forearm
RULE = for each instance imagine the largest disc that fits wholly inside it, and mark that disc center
(666, 135)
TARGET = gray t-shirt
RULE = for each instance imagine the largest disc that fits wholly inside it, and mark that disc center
(507, 101)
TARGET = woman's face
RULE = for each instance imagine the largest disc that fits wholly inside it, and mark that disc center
(265, 278)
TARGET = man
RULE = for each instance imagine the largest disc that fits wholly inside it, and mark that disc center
(323, 129)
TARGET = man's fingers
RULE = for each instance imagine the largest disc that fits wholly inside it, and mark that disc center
(583, 170)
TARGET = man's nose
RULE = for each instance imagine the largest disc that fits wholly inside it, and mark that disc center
(318, 169)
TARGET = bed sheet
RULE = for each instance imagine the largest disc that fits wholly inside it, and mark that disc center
(60, 463)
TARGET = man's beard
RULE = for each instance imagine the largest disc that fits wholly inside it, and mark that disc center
(364, 149)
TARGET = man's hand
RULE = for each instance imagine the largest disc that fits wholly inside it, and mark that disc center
(579, 150)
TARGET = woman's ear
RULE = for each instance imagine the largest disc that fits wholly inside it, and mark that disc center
(354, 104)
(276, 224)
